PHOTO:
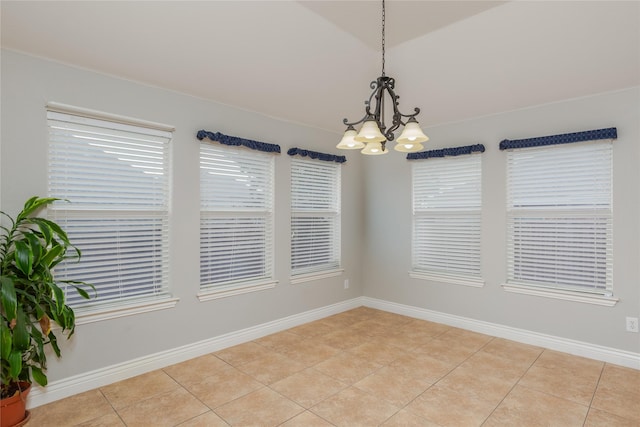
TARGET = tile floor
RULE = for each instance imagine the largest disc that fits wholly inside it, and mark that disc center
(365, 367)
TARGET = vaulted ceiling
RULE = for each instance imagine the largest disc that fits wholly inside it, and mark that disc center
(311, 62)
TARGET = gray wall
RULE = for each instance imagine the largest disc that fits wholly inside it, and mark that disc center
(388, 224)
(28, 83)
(376, 227)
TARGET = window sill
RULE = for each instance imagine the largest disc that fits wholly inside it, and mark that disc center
(114, 311)
(473, 282)
(308, 277)
(229, 291)
(561, 294)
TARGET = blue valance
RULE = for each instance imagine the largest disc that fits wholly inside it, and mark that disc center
(567, 138)
(453, 151)
(234, 140)
(316, 155)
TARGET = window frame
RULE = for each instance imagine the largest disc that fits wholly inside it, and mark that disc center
(326, 204)
(450, 210)
(249, 159)
(600, 214)
(61, 212)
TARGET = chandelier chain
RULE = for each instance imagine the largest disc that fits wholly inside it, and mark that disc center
(383, 21)
(375, 133)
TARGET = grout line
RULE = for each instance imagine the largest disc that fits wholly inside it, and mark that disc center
(595, 390)
(115, 411)
(512, 387)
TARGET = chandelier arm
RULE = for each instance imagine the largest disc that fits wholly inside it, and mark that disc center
(346, 121)
(416, 112)
(379, 111)
(376, 87)
(397, 114)
(388, 84)
(397, 121)
(376, 93)
(395, 124)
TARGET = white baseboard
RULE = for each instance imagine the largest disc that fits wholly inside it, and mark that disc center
(578, 348)
(66, 387)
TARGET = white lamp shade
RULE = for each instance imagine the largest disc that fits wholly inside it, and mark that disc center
(348, 142)
(409, 147)
(370, 132)
(412, 134)
(374, 149)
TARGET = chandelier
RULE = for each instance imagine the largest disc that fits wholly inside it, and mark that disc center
(374, 134)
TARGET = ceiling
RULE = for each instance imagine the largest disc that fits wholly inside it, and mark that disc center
(311, 62)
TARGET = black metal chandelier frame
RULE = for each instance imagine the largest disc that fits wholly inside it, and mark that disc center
(381, 85)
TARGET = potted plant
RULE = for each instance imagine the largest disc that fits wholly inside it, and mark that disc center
(31, 298)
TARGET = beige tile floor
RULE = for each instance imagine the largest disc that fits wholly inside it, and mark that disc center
(365, 367)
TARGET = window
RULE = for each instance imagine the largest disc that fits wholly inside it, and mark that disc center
(115, 173)
(236, 220)
(315, 217)
(559, 217)
(447, 214)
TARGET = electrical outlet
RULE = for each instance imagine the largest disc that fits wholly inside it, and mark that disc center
(346, 286)
(632, 324)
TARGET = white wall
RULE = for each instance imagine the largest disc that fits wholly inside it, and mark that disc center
(388, 225)
(28, 83)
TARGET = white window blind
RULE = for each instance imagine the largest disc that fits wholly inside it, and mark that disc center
(447, 213)
(116, 177)
(560, 217)
(236, 216)
(315, 216)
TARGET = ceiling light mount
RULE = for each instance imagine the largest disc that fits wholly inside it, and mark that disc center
(374, 134)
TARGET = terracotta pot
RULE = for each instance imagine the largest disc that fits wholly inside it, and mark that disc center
(13, 410)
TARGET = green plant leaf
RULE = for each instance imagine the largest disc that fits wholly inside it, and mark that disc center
(84, 294)
(53, 314)
(8, 297)
(33, 204)
(6, 231)
(39, 355)
(29, 206)
(29, 249)
(9, 218)
(21, 331)
(15, 363)
(39, 376)
(58, 296)
(44, 229)
(23, 257)
(56, 229)
(39, 311)
(5, 340)
(54, 253)
(54, 343)
(37, 337)
(78, 286)
(69, 320)
(35, 246)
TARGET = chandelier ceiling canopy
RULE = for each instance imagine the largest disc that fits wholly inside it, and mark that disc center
(374, 134)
